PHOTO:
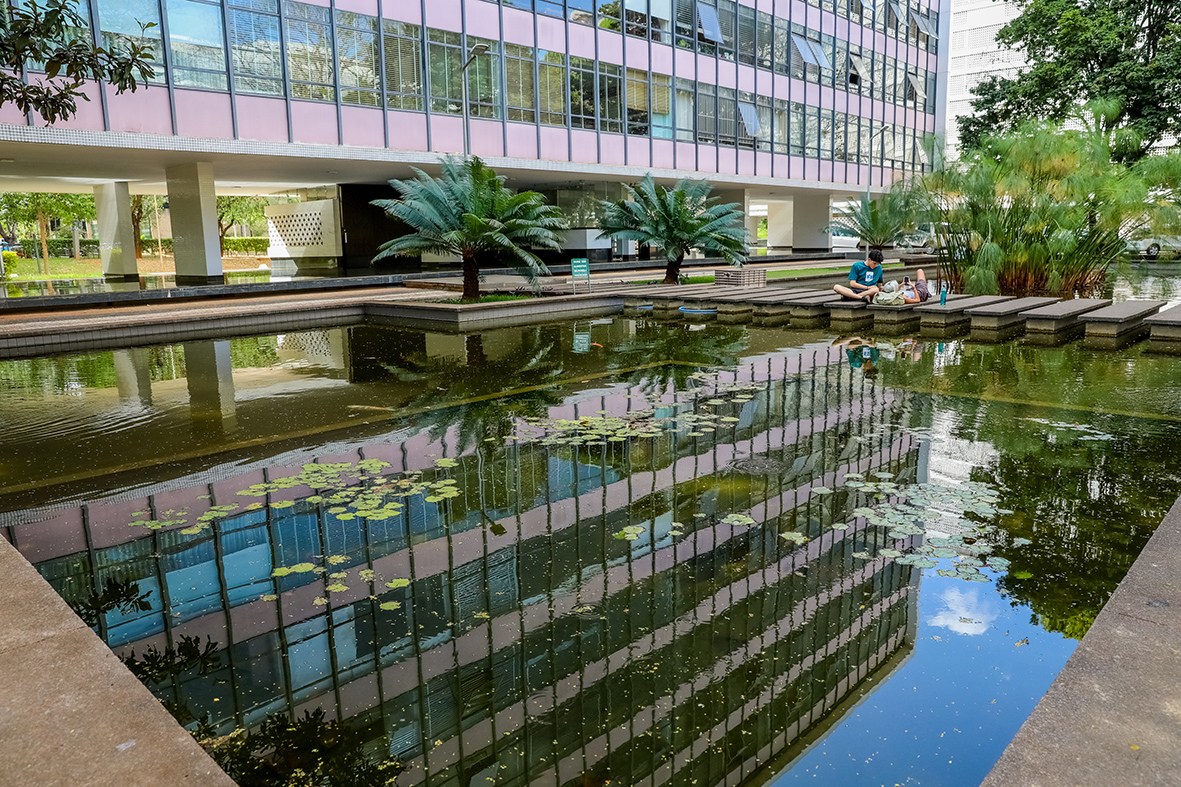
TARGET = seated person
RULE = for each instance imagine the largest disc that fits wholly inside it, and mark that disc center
(915, 291)
(864, 278)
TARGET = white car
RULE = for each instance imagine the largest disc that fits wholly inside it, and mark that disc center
(842, 240)
(1152, 247)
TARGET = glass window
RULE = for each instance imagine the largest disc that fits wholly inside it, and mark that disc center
(197, 40)
(610, 98)
(782, 125)
(751, 127)
(838, 136)
(660, 15)
(484, 95)
(727, 116)
(519, 84)
(662, 106)
(444, 66)
(764, 114)
(550, 8)
(747, 48)
(637, 102)
(581, 11)
(686, 109)
(582, 93)
(782, 51)
(551, 88)
(812, 132)
(256, 52)
(797, 129)
(707, 112)
(403, 65)
(728, 20)
(686, 22)
(708, 23)
(609, 14)
(764, 53)
(356, 40)
(120, 21)
(310, 62)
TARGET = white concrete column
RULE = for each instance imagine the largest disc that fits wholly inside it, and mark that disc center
(740, 197)
(112, 203)
(192, 204)
(780, 224)
(811, 217)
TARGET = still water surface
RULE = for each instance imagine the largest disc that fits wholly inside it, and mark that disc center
(616, 551)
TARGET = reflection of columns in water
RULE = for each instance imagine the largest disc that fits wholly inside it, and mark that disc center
(211, 384)
(133, 377)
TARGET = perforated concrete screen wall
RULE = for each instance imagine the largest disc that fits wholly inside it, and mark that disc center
(304, 229)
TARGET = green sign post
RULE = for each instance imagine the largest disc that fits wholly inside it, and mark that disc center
(579, 266)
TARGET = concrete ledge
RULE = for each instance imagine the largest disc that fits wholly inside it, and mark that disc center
(1113, 715)
(471, 316)
(1062, 316)
(71, 713)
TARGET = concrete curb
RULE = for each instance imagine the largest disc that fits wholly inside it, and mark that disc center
(71, 713)
(1113, 715)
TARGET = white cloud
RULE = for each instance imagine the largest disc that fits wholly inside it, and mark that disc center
(965, 611)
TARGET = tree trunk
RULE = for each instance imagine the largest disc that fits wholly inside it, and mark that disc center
(43, 226)
(138, 208)
(471, 277)
(673, 271)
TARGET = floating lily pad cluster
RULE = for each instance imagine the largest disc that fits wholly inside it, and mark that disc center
(350, 490)
(910, 510)
(336, 579)
(630, 533)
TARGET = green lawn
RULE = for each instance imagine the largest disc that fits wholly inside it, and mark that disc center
(59, 268)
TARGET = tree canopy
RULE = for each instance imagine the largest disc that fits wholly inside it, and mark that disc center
(55, 39)
(677, 220)
(1125, 51)
(469, 212)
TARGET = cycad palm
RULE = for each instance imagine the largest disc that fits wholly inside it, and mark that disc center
(469, 212)
(677, 220)
(878, 222)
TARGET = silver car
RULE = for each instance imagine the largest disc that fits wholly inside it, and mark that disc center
(1151, 247)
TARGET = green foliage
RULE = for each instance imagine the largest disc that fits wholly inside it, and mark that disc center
(247, 245)
(1126, 51)
(158, 665)
(9, 263)
(677, 220)
(1046, 210)
(310, 750)
(60, 247)
(878, 222)
(54, 38)
(469, 212)
(233, 210)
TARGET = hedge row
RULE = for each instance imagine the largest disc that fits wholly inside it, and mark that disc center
(64, 247)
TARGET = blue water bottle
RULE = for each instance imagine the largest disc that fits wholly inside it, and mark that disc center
(943, 294)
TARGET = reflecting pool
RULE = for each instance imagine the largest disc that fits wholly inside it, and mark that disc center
(614, 551)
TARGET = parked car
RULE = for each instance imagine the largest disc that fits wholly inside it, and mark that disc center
(843, 240)
(927, 238)
(1152, 246)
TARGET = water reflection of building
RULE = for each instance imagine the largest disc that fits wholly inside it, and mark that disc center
(531, 646)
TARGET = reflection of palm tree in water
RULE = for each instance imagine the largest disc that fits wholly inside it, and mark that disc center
(465, 394)
(679, 350)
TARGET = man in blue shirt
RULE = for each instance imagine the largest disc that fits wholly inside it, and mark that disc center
(864, 278)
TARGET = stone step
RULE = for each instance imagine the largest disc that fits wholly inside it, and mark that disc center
(1118, 325)
(1062, 316)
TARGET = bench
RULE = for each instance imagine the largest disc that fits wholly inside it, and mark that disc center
(1059, 321)
(1119, 324)
(1165, 330)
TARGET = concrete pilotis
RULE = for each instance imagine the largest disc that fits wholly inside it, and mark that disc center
(210, 376)
(193, 206)
(810, 220)
(116, 235)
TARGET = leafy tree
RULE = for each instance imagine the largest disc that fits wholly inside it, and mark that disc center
(468, 211)
(54, 38)
(238, 210)
(1128, 51)
(878, 222)
(677, 220)
(1046, 209)
(40, 208)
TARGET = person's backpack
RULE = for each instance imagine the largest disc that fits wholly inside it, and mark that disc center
(891, 295)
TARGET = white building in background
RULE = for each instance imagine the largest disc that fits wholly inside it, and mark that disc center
(975, 56)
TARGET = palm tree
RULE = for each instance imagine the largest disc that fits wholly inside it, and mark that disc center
(468, 211)
(678, 219)
(878, 222)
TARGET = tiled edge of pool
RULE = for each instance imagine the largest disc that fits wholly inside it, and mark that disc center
(70, 712)
(1113, 715)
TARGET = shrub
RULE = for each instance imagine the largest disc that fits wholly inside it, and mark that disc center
(151, 246)
(10, 263)
(59, 247)
(249, 245)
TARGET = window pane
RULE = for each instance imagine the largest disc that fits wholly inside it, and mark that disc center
(445, 61)
(662, 106)
(484, 95)
(198, 45)
(257, 57)
(120, 21)
(610, 98)
(309, 52)
(686, 109)
(519, 85)
(359, 59)
(551, 88)
(582, 93)
(403, 65)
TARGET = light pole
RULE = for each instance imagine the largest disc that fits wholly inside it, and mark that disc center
(475, 52)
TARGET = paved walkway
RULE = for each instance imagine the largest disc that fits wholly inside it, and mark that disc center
(1113, 715)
